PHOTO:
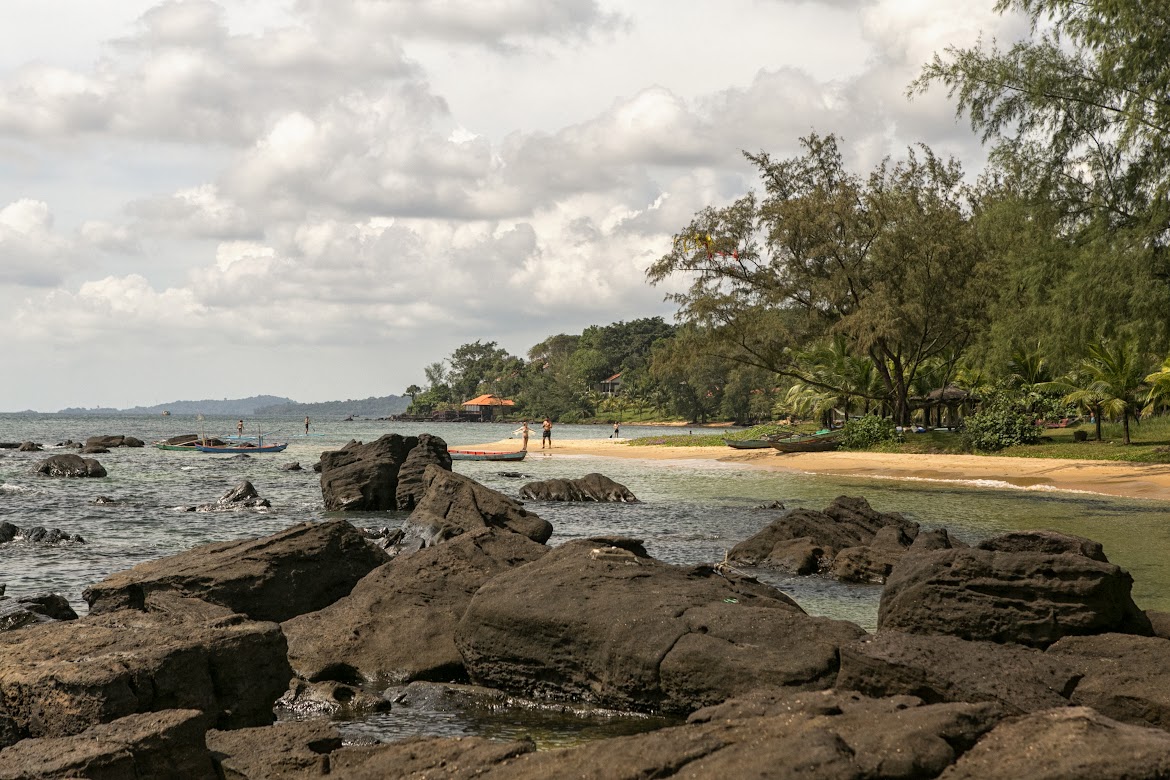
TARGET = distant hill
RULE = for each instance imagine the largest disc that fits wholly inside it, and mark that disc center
(226, 408)
(367, 407)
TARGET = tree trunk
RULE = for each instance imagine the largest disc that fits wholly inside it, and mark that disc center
(1125, 424)
(1097, 417)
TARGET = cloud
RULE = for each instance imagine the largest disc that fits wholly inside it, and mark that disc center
(34, 256)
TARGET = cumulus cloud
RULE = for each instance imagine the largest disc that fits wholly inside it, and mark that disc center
(34, 255)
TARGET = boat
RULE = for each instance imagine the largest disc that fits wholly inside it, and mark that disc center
(748, 444)
(244, 447)
(821, 441)
(487, 455)
(188, 442)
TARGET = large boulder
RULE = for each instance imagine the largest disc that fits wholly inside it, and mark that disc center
(399, 622)
(110, 442)
(300, 569)
(1043, 541)
(948, 669)
(600, 620)
(59, 679)
(1073, 743)
(453, 504)
(70, 465)
(805, 541)
(364, 477)
(1029, 598)
(1123, 676)
(284, 750)
(591, 487)
(44, 607)
(430, 451)
(167, 745)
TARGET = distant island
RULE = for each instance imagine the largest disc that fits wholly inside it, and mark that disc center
(261, 406)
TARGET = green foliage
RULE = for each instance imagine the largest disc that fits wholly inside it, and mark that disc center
(1002, 421)
(869, 431)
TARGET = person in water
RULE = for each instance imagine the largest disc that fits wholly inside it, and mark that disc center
(240, 428)
(546, 437)
(617, 429)
(306, 425)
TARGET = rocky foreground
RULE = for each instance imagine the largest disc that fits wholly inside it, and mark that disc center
(1023, 657)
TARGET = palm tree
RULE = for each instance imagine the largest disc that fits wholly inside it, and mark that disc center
(1108, 381)
(1159, 383)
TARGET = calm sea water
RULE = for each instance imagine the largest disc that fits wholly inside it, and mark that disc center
(691, 512)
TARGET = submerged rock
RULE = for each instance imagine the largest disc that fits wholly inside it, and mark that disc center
(69, 465)
(591, 487)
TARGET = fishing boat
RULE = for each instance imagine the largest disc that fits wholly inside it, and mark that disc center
(244, 446)
(188, 443)
(748, 444)
(821, 441)
(487, 455)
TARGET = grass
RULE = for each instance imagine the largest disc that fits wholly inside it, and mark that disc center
(1150, 442)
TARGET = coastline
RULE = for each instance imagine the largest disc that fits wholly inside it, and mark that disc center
(1122, 480)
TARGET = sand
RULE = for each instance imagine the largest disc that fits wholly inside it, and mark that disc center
(1132, 480)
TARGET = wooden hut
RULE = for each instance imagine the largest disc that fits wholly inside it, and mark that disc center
(486, 406)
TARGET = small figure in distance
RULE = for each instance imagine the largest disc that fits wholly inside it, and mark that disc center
(617, 429)
(306, 425)
(524, 430)
(240, 428)
(546, 437)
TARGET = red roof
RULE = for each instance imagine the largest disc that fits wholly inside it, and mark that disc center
(613, 378)
(489, 400)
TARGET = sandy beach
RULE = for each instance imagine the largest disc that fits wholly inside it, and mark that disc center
(1132, 480)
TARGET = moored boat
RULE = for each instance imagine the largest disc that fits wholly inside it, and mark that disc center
(821, 441)
(486, 455)
(245, 447)
(188, 442)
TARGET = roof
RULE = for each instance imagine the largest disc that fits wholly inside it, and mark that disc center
(613, 378)
(489, 400)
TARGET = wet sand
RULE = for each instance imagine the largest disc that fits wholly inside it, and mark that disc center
(1132, 480)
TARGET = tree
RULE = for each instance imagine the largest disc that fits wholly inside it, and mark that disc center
(890, 262)
(413, 391)
(477, 368)
(1109, 381)
(691, 378)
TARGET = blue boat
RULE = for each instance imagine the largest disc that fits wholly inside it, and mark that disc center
(245, 447)
(486, 455)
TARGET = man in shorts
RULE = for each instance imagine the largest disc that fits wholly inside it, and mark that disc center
(546, 436)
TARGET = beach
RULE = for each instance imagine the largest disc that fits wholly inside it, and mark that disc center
(1126, 480)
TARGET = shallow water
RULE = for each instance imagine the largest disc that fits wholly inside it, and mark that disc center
(691, 512)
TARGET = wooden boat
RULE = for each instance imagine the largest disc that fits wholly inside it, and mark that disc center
(748, 444)
(821, 441)
(486, 455)
(188, 443)
(245, 447)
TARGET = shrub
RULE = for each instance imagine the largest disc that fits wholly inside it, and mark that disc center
(867, 431)
(1002, 421)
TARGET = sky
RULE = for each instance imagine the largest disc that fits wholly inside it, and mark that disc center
(318, 198)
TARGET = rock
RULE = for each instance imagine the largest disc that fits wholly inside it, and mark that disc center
(69, 465)
(242, 496)
(461, 758)
(591, 487)
(1047, 542)
(599, 620)
(364, 477)
(947, 669)
(165, 745)
(61, 678)
(1160, 621)
(801, 536)
(453, 504)
(770, 505)
(874, 562)
(430, 450)
(50, 605)
(94, 450)
(934, 539)
(29, 446)
(292, 467)
(421, 596)
(113, 442)
(14, 615)
(8, 532)
(1074, 743)
(38, 535)
(329, 699)
(282, 750)
(1023, 597)
(1124, 677)
(300, 569)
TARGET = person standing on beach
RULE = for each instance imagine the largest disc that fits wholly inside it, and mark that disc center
(524, 431)
(546, 437)
(306, 425)
(240, 428)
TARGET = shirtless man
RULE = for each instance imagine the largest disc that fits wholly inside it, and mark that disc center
(546, 437)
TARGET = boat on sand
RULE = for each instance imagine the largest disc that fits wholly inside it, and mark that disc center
(821, 441)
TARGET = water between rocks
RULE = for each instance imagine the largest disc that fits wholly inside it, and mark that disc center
(691, 512)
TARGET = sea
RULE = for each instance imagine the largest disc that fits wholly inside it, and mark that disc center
(690, 511)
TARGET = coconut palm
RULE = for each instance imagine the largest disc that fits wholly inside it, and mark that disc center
(1159, 382)
(1108, 381)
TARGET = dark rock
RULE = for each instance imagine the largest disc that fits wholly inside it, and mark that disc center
(947, 669)
(330, 699)
(513, 475)
(1160, 621)
(364, 477)
(243, 495)
(461, 758)
(1047, 542)
(601, 621)
(1024, 597)
(106, 501)
(300, 569)
(845, 523)
(113, 442)
(166, 745)
(421, 596)
(934, 539)
(70, 465)
(92, 450)
(1073, 743)
(1125, 677)
(37, 535)
(770, 505)
(29, 446)
(50, 605)
(14, 615)
(296, 749)
(186, 654)
(292, 467)
(430, 450)
(874, 562)
(591, 487)
(8, 531)
(453, 504)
